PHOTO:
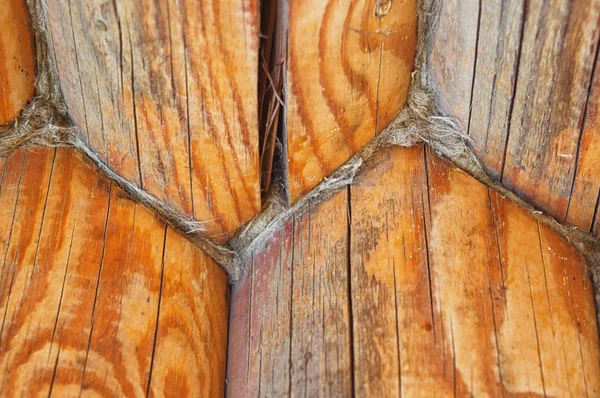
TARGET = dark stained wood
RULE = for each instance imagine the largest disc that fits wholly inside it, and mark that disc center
(498, 51)
(17, 59)
(546, 122)
(290, 320)
(88, 285)
(259, 337)
(348, 73)
(453, 55)
(453, 291)
(166, 93)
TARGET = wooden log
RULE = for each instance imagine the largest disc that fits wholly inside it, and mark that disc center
(586, 185)
(453, 291)
(96, 294)
(349, 69)
(290, 320)
(547, 118)
(17, 59)
(517, 75)
(259, 339)
(166, 93)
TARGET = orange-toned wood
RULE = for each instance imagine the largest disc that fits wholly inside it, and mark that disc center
(166, 93)
(454, 291)
(515, 304)
(394, 351)
(17, 59)
(546, 122)
(86, 287)
(191, 338)
(349, 69)
(585, 196)
(518, 75)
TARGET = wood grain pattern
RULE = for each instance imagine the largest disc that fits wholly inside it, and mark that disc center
(581, 210)
(291, 318)
(17, 59)
(86, 287)
(191, 337)
(166, 93)
(547, 118)
(454, 291)
(498, 49)
(519, 77)
(453, 55)
(348, 76)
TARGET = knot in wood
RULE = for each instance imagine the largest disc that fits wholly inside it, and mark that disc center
(382, 8)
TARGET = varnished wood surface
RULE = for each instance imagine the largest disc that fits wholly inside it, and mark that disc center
(17, 59)
(427, 283)
(521, 77)
(96, 295)
(166, 93)
(349, 69)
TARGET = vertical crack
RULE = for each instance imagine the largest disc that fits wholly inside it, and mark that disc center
(271, 101)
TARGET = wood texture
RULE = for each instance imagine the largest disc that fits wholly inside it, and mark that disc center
(451, 290)
(453, 55)
(586, 186)
(290, 320)
(349, 69)
(166, 93)
(17, 59)
(519, 76)
(96, 295)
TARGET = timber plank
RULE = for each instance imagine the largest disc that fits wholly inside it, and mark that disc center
(529, 292)
(166, 93)
(127, 300)
(453, 291)
(83, 281)
(321, 358)
(392, 347)
(17, 59)
(348, 74)
(562, 354)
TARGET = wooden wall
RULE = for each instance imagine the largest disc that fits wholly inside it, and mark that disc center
(521, 76)
(96, 295)
(348, 71)
(417, 281)
(166, 93)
